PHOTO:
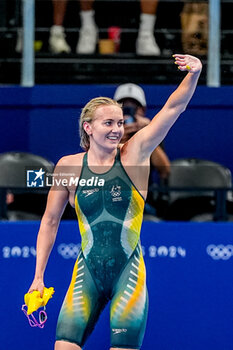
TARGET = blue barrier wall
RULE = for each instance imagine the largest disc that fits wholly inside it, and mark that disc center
(190, 284)
(44, 120)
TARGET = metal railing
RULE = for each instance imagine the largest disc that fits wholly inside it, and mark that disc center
(213, 67)
(28, 61)
(213, 63)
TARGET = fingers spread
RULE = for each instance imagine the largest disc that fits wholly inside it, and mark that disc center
(177, 55)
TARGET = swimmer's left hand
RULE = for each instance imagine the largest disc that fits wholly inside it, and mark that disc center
(34, 301)
(188, 63)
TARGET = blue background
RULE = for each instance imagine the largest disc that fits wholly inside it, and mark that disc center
(190, 293)
(44, 120)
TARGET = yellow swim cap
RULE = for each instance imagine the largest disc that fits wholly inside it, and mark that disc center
(34, 301)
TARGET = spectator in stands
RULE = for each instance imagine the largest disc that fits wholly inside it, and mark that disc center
(134, 105)
(88, 35)
(146, 43)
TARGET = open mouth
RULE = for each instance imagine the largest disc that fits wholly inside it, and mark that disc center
(113, 138)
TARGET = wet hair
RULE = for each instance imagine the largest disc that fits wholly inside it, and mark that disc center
(87, 115)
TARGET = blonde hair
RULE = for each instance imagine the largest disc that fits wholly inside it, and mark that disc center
(87, 115)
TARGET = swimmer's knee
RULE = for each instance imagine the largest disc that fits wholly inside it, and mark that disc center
(66, 345)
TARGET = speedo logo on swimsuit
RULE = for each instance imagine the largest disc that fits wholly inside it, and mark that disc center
(119, 330)
(89, 192)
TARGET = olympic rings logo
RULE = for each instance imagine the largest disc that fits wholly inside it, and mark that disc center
(69, 251)
(220, 252)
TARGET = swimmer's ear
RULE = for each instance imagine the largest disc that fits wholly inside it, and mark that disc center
(87, 128)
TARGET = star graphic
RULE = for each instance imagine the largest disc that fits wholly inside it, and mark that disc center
(39, 174)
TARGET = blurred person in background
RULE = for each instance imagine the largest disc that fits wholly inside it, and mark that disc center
(134, 106)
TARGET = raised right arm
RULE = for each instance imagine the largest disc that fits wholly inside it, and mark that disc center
(147, 139)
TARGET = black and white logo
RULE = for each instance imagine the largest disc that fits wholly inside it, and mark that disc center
(119, 330)
(35, 178)
(116, 193)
